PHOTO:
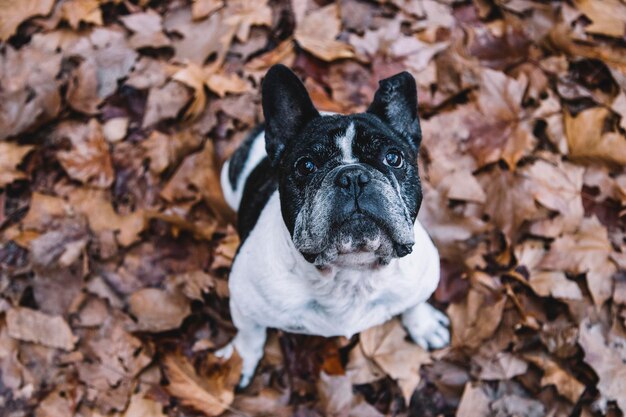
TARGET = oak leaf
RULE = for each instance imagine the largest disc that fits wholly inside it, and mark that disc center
(318, 33)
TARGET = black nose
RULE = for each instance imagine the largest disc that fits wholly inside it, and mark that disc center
(352, 178)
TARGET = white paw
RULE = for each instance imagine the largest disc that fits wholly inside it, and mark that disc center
(427, 326)
(248, 366)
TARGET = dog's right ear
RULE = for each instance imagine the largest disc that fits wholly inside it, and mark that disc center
(287, 108)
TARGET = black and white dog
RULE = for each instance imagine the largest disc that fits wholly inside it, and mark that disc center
(327, 208)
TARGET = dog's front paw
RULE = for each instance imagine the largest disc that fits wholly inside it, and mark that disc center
(248, 363)
(427, 326)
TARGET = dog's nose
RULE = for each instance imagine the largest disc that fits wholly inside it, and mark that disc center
(352, 178)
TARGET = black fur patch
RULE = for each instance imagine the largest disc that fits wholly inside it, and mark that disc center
(239, 158)
(259, 187)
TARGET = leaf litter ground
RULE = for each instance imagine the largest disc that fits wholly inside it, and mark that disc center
(116, 115)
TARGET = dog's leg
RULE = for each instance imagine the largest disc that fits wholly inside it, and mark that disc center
(427, 326)
(249, 342)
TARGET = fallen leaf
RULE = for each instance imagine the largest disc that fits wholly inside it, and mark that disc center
(158, 310)
(607, 17)
(318, 32)
(210, 396)
(565, 383)
(140, 406)
(243, 14)
(587, 140)
(11, 155)
(203, 8)
(607, 364)
(89, 160)
(76, 11)
(474, 402)
(555, 284)
(165, 102)
(147, 30)
(223, 83)
(32, 326)
(385, 346)
(475, 318)
(12, 14)
(585, 251)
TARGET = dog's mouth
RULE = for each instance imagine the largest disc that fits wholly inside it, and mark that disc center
(359, 240)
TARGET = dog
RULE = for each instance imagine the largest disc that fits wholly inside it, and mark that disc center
(327, 207)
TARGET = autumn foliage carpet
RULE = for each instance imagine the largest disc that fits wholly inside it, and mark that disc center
(115, 243)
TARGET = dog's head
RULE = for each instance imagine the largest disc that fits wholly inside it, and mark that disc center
(349, 185)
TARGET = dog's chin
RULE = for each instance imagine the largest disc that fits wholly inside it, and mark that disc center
(359, 242)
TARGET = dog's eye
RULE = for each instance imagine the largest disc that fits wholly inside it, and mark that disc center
(394, 159)
(305, 166)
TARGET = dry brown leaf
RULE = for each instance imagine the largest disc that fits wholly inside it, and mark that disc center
(115, 129)
(606, 362)
(202, 38)
(32, 326)
(82, 90)
(555, 284)
(318, 32)
(166, 150)
(587, 251)
(222, 83)
(29, 95)
(243, 14)
(203, 8)
(13, 13)
(476, 317)
(76, 11)
(587, 140)
(565, 383)
(165, 102)
(500, 129)
(608, 17)
(147, 30)
(387, 347)
(11, 155)
(210, 396)
(140, 406)
(502, 365)
(89, 160)
(158, 310)
(96, 206)
(474, 402)
(200, 170)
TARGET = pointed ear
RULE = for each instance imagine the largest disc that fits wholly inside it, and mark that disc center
(287, 108)
(395, 103)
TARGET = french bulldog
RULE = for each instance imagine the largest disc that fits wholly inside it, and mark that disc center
(327, 207)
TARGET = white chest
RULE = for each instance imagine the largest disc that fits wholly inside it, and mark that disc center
(272, 284)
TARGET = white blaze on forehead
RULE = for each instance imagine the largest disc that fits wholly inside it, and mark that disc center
(345, 144)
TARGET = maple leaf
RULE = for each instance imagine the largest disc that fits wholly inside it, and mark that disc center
(500, 129)
(89, 160)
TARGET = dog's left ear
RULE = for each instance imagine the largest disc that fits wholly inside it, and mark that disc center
(395, 103)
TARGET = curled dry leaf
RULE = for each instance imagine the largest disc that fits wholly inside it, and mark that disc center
(318, 32)
(208, 394)
(89, 160)
(32, 326)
